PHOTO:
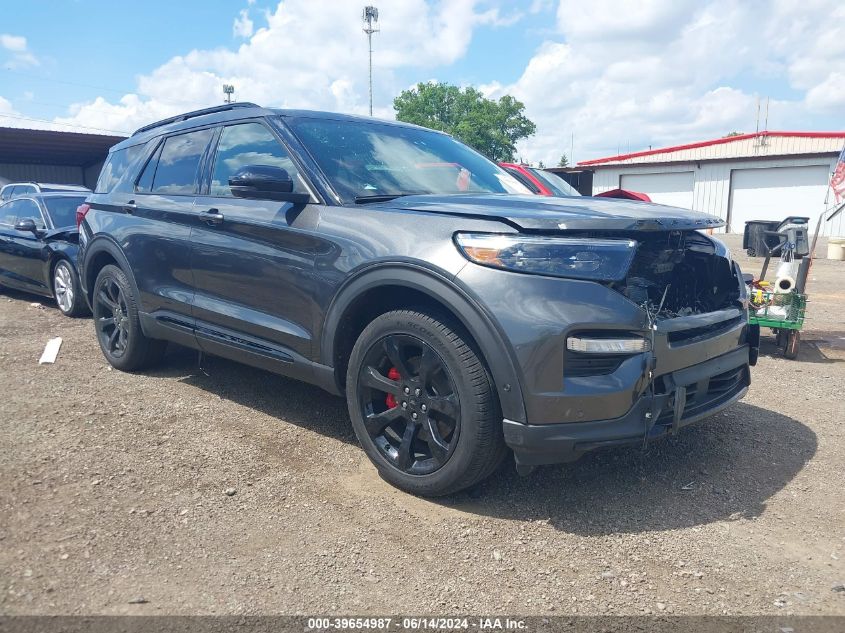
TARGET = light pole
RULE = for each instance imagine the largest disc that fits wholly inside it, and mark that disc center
(370, 17)
(228, 90)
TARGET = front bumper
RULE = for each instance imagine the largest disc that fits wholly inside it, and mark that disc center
(681, 398)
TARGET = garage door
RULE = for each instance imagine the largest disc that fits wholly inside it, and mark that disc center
(674, 189)
(777, 192)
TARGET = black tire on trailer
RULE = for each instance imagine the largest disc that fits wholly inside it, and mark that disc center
(422, 404)
(793, 343)
(117, 324)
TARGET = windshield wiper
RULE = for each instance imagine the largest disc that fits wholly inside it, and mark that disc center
(385, 197)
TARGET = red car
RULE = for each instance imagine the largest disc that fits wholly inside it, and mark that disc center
(546, 183)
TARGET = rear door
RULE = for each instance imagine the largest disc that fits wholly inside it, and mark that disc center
(22, 252)
(156, 236)
(254, 267)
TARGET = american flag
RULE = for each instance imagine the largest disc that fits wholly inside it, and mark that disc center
(837, 180)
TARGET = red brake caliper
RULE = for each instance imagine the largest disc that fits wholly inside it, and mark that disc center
(390, 400)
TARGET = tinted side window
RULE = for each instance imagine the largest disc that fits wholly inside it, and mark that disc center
(8, 213)
(18, 210)
(145, 182)
(115, 166)
(178, 163)
(248, 144)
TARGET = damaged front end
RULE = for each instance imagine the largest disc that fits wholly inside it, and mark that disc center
(681, 273)
(693, 296)
(693, 347)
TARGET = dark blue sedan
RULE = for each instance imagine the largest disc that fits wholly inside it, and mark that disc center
(38, 245)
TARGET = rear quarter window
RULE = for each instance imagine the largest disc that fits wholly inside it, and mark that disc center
(115, 166)
(178, 163)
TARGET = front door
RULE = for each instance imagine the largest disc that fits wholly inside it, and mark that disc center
(22, 252)
(253, 260)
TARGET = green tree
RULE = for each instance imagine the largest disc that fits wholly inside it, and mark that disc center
(734, 133)
(492, 127)
(563, 162)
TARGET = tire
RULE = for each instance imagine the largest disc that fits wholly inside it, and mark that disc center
(66, 290)
(117, 325)
(751, 252)
(447, 436)
(793, 343)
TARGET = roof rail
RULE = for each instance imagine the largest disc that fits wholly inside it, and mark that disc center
(190, 115)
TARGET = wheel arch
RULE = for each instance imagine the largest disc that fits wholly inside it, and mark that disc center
(100, 252)
(415, 284)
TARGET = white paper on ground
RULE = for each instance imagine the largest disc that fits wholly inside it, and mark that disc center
(51, 351)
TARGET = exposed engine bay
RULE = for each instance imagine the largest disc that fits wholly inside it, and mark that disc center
(679, 273)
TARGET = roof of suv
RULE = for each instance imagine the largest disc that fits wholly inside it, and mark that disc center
(49, 185)
(234, 112)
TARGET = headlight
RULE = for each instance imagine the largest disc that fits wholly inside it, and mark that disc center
(573, 257)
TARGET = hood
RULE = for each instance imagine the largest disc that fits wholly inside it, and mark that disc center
(541, 213)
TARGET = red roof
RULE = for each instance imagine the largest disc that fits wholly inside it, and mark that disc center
(717, 141)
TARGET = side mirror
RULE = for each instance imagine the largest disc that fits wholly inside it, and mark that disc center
(265, 182)
(27, 225)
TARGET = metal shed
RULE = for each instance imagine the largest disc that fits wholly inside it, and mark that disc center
(67, 158)
(760, 176)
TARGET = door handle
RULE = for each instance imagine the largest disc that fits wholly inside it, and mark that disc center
(130, 207)
(212, 217)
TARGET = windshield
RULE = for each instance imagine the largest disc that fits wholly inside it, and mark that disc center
(554, 182)
(63, 209)
(374, 161)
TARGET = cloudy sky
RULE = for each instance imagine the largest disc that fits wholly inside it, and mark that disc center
(619, 75)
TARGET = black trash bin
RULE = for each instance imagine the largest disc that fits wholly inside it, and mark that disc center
(755, 240)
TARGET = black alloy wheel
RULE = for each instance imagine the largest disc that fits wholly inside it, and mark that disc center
(409, 404)
(423, 404)
(111, 318)
(118, 326)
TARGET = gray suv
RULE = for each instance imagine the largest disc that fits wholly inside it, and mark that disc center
(461, 316)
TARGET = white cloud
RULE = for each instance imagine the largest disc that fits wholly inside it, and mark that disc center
(620, 75)
(243, 25)
(829, 95)
(623, 76)
(305, 54)
(16, 45)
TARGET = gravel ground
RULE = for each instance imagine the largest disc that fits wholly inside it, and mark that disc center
(228, 490)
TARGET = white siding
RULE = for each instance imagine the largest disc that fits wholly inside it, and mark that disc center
(673, 188)
(712, 183)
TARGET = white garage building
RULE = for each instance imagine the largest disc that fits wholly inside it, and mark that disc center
(761, 176)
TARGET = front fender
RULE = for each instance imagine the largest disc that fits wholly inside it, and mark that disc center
(492, 344)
